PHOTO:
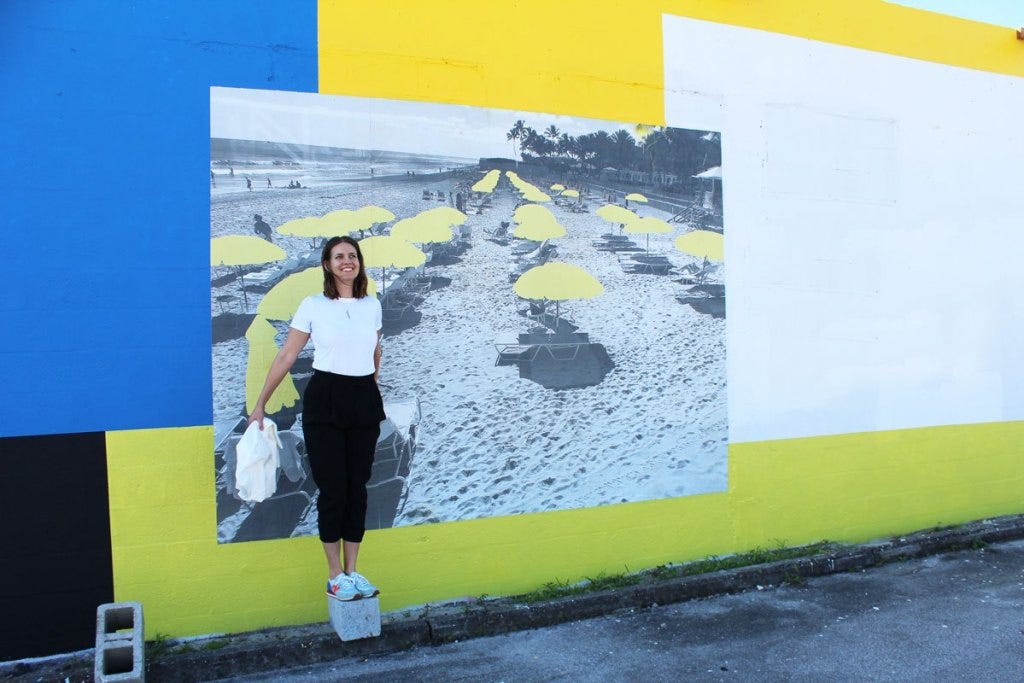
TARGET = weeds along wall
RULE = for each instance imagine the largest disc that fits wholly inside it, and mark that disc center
(872, 164)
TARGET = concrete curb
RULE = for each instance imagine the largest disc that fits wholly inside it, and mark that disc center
(274, 649)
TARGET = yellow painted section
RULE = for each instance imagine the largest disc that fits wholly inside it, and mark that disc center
(582, 58)
(847, 488)
(601, 59)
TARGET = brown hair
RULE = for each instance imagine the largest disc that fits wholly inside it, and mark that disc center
(359, 285)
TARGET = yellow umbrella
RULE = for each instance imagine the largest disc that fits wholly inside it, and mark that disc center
(343, 222)
(375, 214)
(445, 215)
(534, 213)
(636, 197)
(702, 244)
(385, 251)
(488, 182)
(422, 229)
(613, 213)
(243, 250)
(284, 298)
(532, 194)
(557, 282)
(311, 226)
(538, 232)
(557, 187)
(530, 191)
(262, 351)
(570, 193)
(647, 226)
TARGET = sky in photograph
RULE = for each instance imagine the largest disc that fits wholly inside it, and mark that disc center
(1000, 12)
(368, 123)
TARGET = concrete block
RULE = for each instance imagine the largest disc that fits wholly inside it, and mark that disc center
(120, 644)
(355, 619)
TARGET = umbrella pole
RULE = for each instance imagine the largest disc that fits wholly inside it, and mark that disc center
(245, 298)
(556, 316)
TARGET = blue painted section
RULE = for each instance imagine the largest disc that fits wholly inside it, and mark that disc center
(104, 164)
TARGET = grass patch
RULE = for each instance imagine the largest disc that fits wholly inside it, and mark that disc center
(560, 589)
(158, 646)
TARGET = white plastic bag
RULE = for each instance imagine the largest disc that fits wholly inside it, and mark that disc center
(258, 455)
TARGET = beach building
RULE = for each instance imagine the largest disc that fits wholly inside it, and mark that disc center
(750, 281)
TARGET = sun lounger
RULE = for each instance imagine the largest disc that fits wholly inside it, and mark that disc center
(695, 274)
(646, 264)
(560, 346)
(545, 319)
(524, 247)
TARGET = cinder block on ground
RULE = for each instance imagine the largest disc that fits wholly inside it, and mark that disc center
(119, 644)
(355, 619)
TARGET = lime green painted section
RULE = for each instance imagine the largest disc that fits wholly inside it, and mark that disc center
(846, 488)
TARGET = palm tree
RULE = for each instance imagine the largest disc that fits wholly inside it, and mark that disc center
(625, 147)
(517, 133)
(565, 144)
(552, 133)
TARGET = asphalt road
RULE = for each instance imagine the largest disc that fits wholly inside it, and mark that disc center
(951, 617)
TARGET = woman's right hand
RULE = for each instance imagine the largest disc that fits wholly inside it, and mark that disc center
(257, 417)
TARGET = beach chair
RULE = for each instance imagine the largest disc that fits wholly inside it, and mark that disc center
(387, 489)
(645, 264)
(697, 274)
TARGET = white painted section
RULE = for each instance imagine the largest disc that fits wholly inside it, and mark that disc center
(874, 213)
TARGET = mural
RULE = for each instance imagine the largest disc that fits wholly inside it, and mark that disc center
(553, 294)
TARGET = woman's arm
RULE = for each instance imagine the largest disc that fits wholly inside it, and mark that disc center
(283, 362)
(376, 358)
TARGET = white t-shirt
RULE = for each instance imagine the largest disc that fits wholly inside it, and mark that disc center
(344, 332)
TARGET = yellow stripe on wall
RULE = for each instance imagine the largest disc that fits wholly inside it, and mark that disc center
(847, 488)
(601, 59)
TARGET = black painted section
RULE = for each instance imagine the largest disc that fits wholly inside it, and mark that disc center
(55, 567)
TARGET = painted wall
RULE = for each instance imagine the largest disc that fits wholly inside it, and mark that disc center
(106, 171)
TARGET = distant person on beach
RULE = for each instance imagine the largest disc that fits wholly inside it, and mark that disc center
(371, 171)
(261, 228)
(459, 202)
(231, 171)
(341, 408)
(213, 179)
(268, 182)
(248, 183)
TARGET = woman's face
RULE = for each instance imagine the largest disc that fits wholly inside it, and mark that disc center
(344, 263)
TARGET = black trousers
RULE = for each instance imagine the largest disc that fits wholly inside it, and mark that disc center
(341, 418)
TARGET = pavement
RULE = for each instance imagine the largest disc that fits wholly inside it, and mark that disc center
(940, 605)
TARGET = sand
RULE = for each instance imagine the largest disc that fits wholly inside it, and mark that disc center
(490, 442)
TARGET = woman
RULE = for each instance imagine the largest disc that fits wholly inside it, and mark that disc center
(341, 408)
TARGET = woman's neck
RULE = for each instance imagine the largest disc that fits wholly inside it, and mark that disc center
(344, 289)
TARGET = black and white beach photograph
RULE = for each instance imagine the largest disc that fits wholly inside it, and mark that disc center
(553, 295)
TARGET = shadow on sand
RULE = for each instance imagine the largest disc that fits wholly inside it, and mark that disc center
(587, 369)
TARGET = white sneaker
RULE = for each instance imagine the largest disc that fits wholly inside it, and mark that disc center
(361, 584)
(341, 587)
